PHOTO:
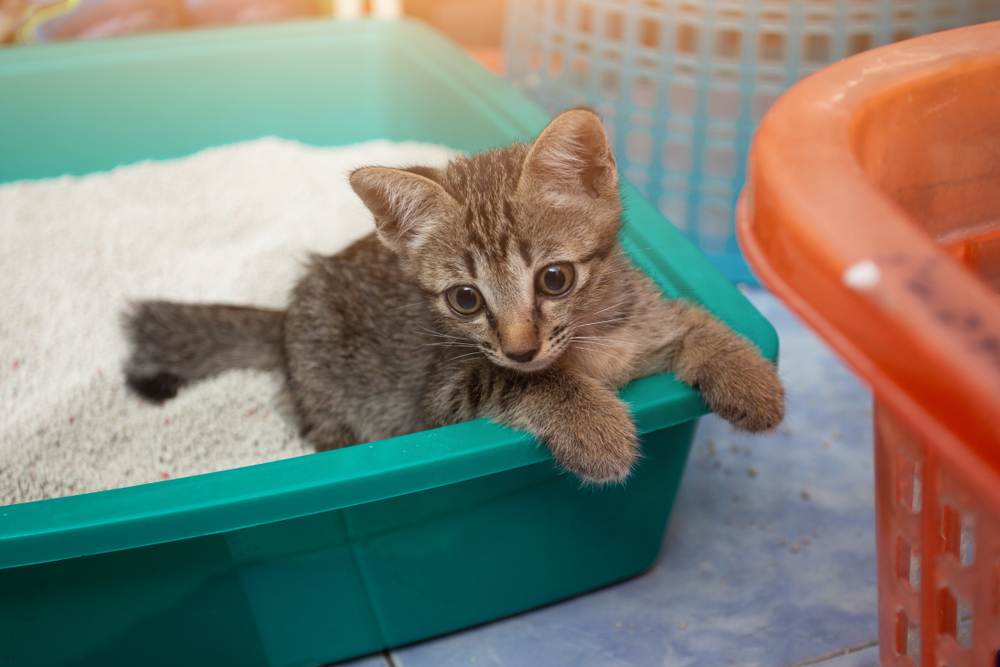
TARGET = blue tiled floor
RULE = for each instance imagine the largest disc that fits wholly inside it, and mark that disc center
(769, 559)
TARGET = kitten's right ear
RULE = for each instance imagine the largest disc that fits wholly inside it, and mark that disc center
(406, 205)
(571, 162)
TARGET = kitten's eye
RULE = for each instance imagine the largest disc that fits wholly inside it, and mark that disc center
(465, 300)
(556, 279)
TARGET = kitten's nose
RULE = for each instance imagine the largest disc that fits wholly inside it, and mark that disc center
(522, 357)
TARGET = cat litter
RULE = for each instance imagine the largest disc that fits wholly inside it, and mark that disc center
(229, 224)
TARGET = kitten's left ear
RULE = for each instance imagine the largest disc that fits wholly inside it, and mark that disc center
(571, 161)
(406, 205)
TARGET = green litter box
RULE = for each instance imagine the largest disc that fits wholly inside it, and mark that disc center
(324, 557)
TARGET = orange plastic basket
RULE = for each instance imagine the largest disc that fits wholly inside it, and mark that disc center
(872, 208)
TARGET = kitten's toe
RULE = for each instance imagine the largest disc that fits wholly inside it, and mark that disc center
(602, 451)
(751, 397)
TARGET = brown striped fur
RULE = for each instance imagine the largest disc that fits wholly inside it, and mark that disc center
(371, 347)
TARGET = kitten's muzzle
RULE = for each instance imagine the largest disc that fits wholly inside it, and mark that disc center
(521, 357)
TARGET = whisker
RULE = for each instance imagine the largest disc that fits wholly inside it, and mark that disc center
(407, 305)
(598, 312)
(428, 332)
(586, 315)
(604, 352)
(624, 318)
(591, 341)
(448, 344)
(604, 345)
(462, 358)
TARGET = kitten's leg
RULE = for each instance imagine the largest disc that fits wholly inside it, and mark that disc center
(328, 434)
(320, 420)
(736, 381)
(585, 425)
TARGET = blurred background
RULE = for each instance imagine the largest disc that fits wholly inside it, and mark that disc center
(681, 84)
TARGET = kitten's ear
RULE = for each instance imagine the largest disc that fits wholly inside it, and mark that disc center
(406, 205)
(571, 161)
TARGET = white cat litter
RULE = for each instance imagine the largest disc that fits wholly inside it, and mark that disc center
(231, 224)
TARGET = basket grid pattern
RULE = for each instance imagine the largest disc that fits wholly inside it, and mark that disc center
(682, 84)
(939, 557)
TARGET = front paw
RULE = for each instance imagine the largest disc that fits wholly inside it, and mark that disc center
(599, 447)
(745, 390)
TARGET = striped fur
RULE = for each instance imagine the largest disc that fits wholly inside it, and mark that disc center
(372, 347)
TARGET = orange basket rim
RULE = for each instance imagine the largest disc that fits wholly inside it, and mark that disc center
(859, 269)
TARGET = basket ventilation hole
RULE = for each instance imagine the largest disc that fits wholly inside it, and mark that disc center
(687, 39)
(719, 161)
(728, 43)
(535, 58)
(586, 22)
(956, 618)
(644, 92)
(614, 26)
(714, 227)
(817, 48)
(560, 12)
(682, 99)
(581, 70)
(958, 533)
(649, 33)
(901, 35)
(772, 46)
(555, 64)
(610, 83)
(677, 156)
(859, 43)
(964, 629)
(724, 103)
(907, 563)
(909, 482)
(639, 148)
(907, 638)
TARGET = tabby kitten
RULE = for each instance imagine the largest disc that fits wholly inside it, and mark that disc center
(496, 287)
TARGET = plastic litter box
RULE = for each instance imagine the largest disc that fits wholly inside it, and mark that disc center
(873, 209)
(324, 557)
(682, 84)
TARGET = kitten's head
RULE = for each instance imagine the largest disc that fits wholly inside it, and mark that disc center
(516, 246)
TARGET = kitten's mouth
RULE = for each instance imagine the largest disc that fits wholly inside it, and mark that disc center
(528, 366)
(540, 362)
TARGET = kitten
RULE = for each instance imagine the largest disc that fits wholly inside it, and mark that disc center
(495, 287)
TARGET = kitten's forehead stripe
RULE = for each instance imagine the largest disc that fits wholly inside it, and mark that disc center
(601, 251)
(470, 264)
(525, 249)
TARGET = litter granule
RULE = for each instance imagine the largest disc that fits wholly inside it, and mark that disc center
(231, 224)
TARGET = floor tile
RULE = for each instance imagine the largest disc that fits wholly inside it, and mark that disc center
(376, 660)
(867, 657)
(769, 559)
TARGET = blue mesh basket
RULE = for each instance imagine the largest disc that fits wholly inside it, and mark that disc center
(682, 84)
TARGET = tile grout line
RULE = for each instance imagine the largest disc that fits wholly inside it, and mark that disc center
(835, 654)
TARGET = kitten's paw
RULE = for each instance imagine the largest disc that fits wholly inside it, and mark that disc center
(600, 449)
(747, 393)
